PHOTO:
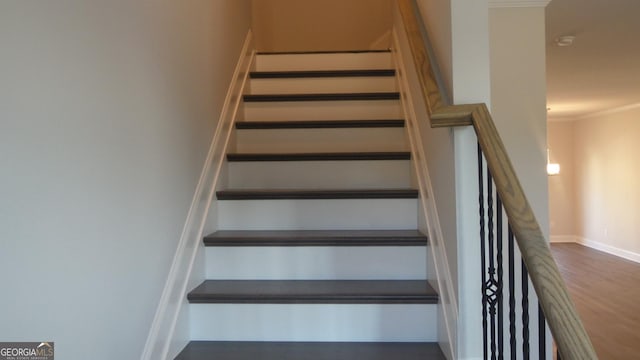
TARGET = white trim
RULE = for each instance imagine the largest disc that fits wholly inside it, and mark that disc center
(563, 239)
(557, 119)
(445, 282)
(161, 335)
(611, 111)
(625, 254)
(382, 42)
(593, 115)
(518, 3)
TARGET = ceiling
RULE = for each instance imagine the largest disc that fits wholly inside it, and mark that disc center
(601, 70)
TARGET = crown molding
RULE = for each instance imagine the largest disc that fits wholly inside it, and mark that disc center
(607, 112)
(518, 3)
(593, 115)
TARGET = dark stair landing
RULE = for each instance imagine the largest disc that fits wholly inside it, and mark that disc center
(213, 350)
(319, 124)
(321, 74)
(328, 156)
(322, 97)
(355, 51)
(316, 238)
(313, 292)
(316, 194)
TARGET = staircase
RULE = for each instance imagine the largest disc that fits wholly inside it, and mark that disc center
(317, 255)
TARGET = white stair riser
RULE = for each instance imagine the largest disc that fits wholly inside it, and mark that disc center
(323, 85)
(343, 61)
(322, 110)
(314, 322)
(317, 263)
(320, 140)
(361, 174)
(342, 214)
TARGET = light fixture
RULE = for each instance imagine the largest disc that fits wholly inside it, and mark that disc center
(552, 168)
(565, 40)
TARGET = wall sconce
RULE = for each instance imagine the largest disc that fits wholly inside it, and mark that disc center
(552, 168)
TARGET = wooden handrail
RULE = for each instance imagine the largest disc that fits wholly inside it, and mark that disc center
(565, 324)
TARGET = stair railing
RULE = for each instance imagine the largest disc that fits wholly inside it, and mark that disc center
(501, 193)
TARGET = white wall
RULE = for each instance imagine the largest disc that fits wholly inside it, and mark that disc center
(107, 109)
(518, 98)
(471, 84)
(518, 107)
(562, 186)
(607, 182)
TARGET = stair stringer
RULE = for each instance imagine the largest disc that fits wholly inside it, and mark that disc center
(169, 332)
(429, 222)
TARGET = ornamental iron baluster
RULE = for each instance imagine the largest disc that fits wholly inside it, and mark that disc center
(542, 334)
(512, 295)
(491, 286)
(500, 278)
(525, 312)
(482, 252)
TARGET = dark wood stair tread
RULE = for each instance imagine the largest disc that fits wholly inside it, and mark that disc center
(284, 194)
(314, 292)
(321, 74)
(356, 51)
(316, 238)
(325, 156)
(319, 124)
(322, 97)
(220, 350)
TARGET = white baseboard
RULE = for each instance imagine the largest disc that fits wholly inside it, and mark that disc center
(612, 250)
(563, 239)
(625, 254)
(166, 333)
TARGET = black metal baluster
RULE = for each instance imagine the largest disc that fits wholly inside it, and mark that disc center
(490, 286)
(512, 296)
(482, 251)
(525, 312)
(542, 333)
(500, 278)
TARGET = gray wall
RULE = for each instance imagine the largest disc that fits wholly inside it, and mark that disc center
(107, 109)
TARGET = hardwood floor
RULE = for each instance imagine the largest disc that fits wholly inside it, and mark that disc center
(606, 291)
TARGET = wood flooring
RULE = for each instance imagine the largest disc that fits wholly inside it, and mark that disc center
(606, 291)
